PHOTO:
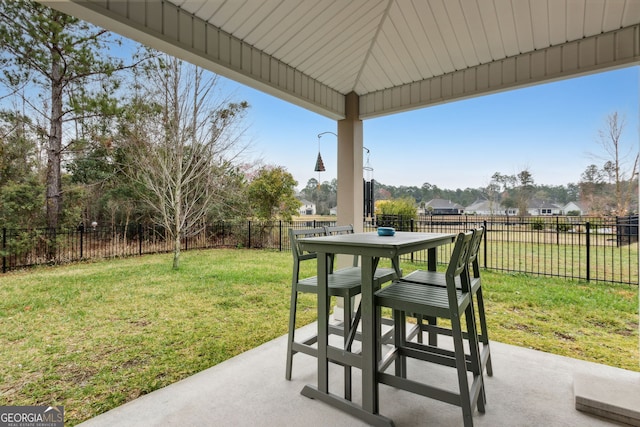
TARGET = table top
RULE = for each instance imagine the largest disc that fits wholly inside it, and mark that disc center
(372, 244)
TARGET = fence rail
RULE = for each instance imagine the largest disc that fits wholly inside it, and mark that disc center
(594, 248)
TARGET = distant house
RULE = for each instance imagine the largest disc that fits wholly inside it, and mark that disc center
(573, 207)
(442, 207)
(540, 208)
(307, 208)
(485, 207)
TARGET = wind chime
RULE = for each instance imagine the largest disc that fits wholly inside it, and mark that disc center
(319, 163)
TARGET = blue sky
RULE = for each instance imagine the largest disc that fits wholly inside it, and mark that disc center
(550, 129)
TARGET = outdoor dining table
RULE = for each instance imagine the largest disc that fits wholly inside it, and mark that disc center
(371, 247)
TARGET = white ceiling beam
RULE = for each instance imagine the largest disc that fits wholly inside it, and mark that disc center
(597, 53)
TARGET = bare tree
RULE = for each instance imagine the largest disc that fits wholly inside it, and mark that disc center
(621, 163)
(525, 190)
(183, 141)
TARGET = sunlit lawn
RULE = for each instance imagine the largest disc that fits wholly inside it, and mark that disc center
(93, 336)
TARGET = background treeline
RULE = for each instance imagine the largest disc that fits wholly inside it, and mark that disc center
(95, 131)
(560, 194)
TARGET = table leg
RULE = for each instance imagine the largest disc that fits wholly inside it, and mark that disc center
(369, 345)
(395, 262)
(432, 261)
(323, 322)
(432, 265)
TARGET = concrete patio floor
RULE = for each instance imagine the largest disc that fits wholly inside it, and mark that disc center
(528, 388)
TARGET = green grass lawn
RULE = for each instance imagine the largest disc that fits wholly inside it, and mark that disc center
(93, 336)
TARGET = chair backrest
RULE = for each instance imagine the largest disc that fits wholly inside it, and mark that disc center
(338, 229)
(475, 249)
(296, 249)
(333, 230)
(459, 262)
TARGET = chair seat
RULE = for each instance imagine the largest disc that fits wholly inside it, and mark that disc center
(418, 298)
(437, 278)
(381, 275)
(339, 284)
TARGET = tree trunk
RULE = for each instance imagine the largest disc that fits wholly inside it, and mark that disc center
(54, 151)
(176, 251)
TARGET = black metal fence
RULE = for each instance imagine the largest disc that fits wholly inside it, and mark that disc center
(593, 248)
(589, 248)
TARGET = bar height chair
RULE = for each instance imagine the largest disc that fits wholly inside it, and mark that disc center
(450, 302)
(341, 283)
(434, 278)
(380, 276)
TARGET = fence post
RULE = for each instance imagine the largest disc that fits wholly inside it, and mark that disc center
(81, 229)
(280, 235)
(588, 229)
(411, 229)
(140, 239)
(249, 231)
(412, 225)
(557, 231)
(486, 237)
(4, 247)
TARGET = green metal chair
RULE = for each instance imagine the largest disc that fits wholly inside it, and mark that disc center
(341, 283)
(380, 276)
(449, 302)
(438, 279)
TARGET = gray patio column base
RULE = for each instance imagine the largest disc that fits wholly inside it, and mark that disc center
(609, 398)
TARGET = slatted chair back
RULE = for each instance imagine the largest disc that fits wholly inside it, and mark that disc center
(334, 230)
(475, 250)
(458, 264)
(298, 253)
(476, 290)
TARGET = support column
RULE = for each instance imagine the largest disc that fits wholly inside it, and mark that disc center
(350, 188)
(350, 143)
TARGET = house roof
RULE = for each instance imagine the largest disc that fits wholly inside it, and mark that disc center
(576, 204)
(442, 204)
(396, 55)
(542, 204)
(484, 205)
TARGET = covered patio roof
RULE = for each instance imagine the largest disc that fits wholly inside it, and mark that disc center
(394, 55)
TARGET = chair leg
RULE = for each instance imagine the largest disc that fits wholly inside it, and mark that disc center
(421, 328)
(346, 323)
(461, 367)
(433, 336)
(291, 334)
(399, 341)
(476, 361)
(483, 335)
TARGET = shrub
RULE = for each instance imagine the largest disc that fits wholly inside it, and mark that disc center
(537, 224)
